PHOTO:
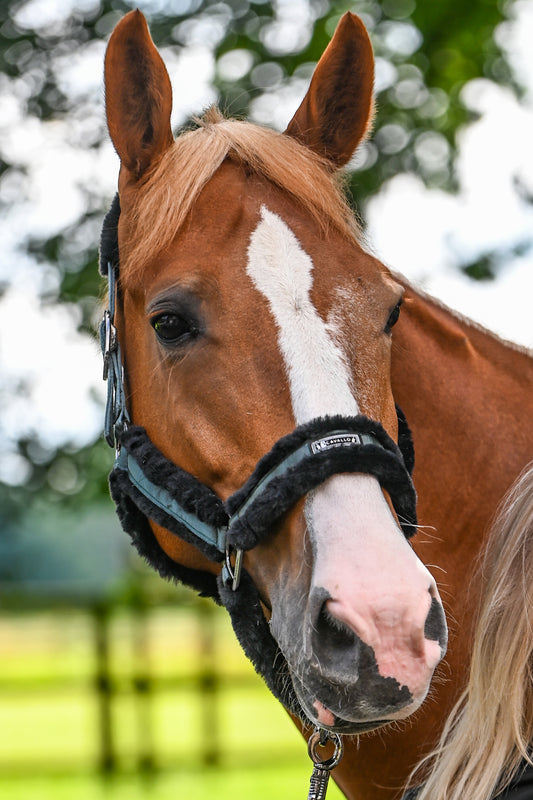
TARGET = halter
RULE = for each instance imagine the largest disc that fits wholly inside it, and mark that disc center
(145, 485)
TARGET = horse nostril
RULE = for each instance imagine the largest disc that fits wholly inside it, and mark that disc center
(435, 627)
(336, 643)
(333, 630)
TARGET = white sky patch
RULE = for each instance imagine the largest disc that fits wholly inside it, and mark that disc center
(421, 231)
(80, 74)
(283, 272)
(515, 37)
(270, 108)
(191, 76)
(425, 233)
(47, 368)
(291, 28)
(46, 14)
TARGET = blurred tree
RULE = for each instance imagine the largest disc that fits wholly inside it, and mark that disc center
(259, 57)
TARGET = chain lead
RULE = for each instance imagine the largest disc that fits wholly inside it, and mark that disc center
(321, 770)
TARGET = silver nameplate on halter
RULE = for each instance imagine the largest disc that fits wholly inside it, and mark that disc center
(336, 440)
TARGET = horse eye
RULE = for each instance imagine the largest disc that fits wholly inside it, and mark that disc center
(393, 317)
(171, 328)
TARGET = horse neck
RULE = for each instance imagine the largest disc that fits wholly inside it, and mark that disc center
(468, 397)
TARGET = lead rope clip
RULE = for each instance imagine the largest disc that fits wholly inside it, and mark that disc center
(322, 768)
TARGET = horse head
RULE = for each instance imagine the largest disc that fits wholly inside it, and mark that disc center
(247, 308)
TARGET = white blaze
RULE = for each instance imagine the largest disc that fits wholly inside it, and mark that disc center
(282, 271)
(375, 583)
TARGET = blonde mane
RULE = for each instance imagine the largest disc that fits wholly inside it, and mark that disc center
(166, 197)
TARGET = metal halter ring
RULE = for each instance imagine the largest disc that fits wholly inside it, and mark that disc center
(318, 739)
(234, 572)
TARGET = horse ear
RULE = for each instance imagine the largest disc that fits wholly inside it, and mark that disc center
(336, 112)
(138, 95)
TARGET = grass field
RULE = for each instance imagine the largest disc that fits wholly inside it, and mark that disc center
(250, 783)
(50, 736)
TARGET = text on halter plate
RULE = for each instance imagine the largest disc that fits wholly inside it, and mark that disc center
(336, 440)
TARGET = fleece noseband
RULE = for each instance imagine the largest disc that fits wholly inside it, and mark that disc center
(145, 485)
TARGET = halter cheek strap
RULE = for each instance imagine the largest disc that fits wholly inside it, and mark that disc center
(116, 417)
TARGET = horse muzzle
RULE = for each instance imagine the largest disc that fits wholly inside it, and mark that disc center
(363, 631)
(340, 686)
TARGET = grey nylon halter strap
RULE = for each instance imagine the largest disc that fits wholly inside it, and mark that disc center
(217, 535)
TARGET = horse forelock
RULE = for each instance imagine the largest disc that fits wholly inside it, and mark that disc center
(163, 201)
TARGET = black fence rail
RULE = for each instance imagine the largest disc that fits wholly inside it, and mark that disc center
(160, 684)
(206, 682)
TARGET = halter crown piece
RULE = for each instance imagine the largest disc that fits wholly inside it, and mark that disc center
(145, 485)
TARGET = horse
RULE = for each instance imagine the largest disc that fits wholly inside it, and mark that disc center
(259, 396)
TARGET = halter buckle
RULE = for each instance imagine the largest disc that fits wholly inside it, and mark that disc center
(110, 341)
(232, 572)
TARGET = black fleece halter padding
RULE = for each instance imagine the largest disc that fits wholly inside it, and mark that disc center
(260, 510)
(244, 606)
(135, 523)
(405, 441)
(382, 459)
(144, 479)
(195, 497)
(109, 238)
(253, 633)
